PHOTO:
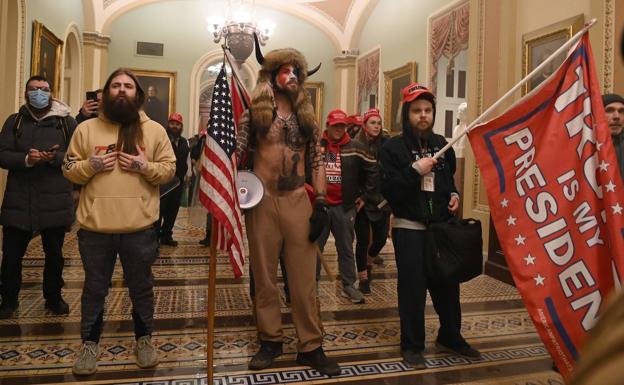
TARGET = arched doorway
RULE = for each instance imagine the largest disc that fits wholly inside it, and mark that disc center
(208, 78)
(203, 76)
(72, 71)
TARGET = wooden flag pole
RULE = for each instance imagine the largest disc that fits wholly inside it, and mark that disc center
(212, 298)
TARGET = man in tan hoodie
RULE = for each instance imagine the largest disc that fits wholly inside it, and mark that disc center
(119, 158)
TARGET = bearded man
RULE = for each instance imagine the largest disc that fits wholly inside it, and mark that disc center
(280, 137)
(119, 158)
(421, 190)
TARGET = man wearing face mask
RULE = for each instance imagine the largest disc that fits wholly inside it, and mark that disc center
(170, 202)
(37, 197)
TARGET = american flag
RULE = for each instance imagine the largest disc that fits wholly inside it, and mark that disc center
(217, 188)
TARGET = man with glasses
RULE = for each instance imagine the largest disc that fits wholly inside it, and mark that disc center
(37, 197)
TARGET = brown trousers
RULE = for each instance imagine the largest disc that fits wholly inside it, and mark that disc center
(276, 223)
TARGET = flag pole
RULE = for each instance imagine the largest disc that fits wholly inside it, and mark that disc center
(212, 295)
(521, 83)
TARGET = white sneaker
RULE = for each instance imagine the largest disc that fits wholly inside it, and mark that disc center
(86, 363)
(146, 354)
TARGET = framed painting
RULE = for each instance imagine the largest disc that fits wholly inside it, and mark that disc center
(46, 56)
(539, 45)
(315, 89)
(159, 87)
(394, 81)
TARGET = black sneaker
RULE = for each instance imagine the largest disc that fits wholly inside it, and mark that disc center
(7, 309)
(265, 356)
(464, 350)
(378, 260)
(168, 242)
(205, 241)
(414, 359)
(58, 307)
(364, 287)
(319, 361)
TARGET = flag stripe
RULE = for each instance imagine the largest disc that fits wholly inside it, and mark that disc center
(218, 175)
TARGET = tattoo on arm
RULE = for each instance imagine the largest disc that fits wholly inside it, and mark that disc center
(242, 137)
(96, 163)
(136, 165)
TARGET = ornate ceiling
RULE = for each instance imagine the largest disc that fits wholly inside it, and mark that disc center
(340, 20)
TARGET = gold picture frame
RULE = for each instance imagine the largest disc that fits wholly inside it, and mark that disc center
(394, 81)
(160, 93)
(539, 44)
(315, 90)
(46, 56)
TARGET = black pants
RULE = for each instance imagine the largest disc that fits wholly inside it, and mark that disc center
(14, 244)
(409, 250)
(169, 207)
(363, 228)
(137, 252)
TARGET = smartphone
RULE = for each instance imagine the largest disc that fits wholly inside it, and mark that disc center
(91, 95)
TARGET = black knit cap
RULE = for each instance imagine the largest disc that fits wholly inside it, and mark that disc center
(611, 98)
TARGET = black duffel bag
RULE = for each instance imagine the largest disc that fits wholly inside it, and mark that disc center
(454, 250)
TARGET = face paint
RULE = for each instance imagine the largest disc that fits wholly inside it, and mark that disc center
(286, 77)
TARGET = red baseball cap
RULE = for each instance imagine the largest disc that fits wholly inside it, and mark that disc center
(415, 90)
(370, 113)
(176, 118)
(337, 116)
(356, 119)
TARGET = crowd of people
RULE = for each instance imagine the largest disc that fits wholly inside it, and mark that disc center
(108, 167)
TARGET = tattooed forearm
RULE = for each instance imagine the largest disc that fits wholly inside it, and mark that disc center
(97, 164)
(136, 165)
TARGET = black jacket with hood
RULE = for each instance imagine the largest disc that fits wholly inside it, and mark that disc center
(401, 183)
(37, 197)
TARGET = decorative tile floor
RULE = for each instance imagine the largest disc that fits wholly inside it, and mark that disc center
(39, 348)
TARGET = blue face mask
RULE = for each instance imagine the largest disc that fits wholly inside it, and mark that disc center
(39, 99)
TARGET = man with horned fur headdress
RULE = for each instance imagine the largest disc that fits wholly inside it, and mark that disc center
(279, 135)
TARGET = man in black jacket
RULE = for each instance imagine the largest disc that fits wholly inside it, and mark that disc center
(421, 190)
(37, 197)
(170, 202)
(351, 174)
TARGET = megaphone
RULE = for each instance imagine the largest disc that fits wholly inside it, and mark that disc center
(250, 189)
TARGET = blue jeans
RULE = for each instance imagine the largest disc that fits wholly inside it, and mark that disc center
(341, 226)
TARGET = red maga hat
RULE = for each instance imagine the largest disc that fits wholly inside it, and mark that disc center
(370, 113)
(176, 117)
(356, 119)
(337, 116)
(415, 90)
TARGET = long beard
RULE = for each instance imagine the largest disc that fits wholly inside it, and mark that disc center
(424, 136)
(121, 110)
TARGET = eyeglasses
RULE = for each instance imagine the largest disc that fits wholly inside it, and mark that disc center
(44, 89)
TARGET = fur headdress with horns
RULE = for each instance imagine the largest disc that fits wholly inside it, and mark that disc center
(263, 98)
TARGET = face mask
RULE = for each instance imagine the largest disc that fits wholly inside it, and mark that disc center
(39, 99)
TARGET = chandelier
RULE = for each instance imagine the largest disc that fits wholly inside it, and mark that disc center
(237, 28)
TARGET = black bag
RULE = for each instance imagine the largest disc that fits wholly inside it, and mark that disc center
(453, 250)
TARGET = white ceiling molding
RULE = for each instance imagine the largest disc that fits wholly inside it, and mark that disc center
(100, 19)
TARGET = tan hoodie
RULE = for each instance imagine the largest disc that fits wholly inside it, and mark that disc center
(118, 201)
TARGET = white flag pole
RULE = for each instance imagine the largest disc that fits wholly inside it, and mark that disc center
(537, 69)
